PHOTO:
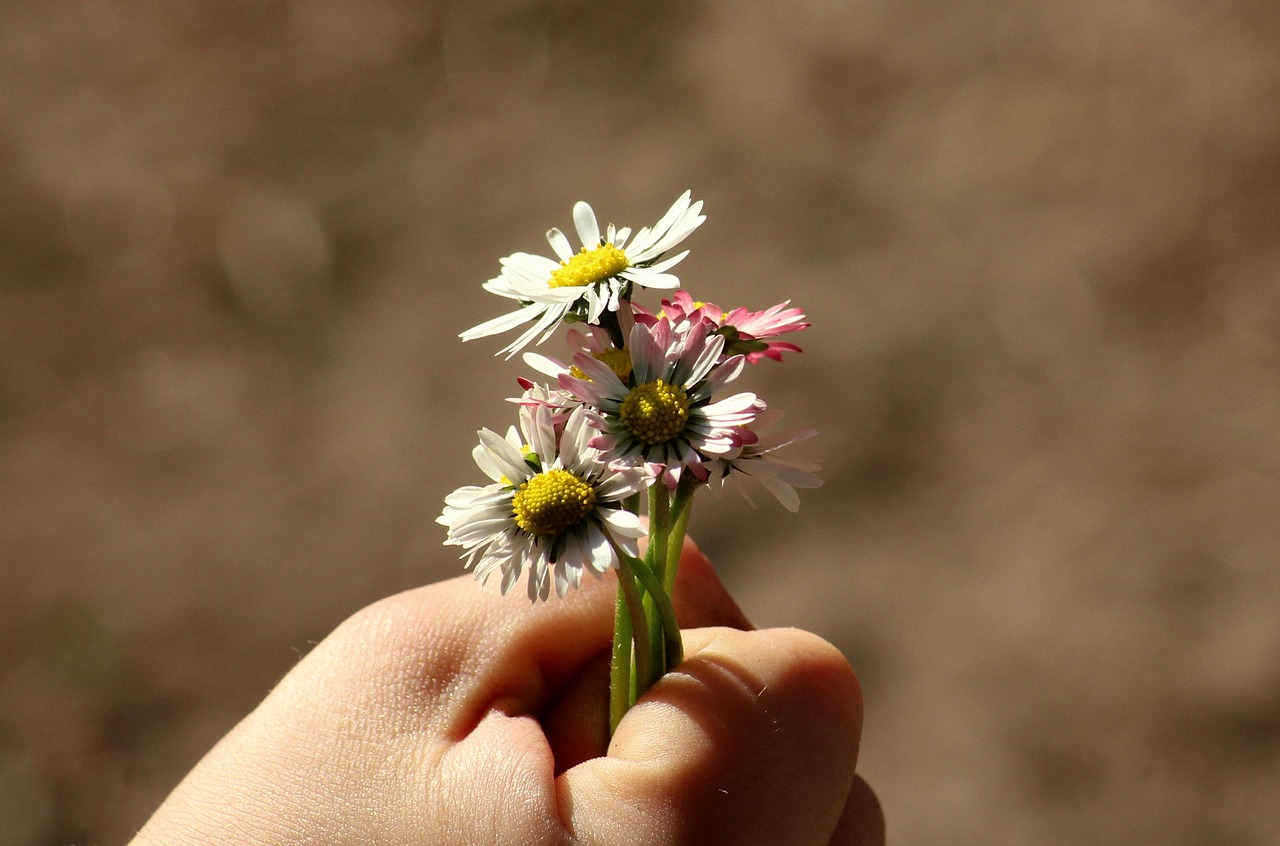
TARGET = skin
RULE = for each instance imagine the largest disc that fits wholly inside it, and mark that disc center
(452, 715)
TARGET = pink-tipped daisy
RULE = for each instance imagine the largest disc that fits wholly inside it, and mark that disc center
(591, 281)
(596, 343)
(554, 508)
(560, 404)
(748, 333)
(663, 417)
(759, 461)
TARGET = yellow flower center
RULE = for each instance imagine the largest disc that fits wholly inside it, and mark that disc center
(589, 267)
(655, 412)
(552, 502)
(619, 361)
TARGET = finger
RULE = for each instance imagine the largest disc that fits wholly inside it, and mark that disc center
(862, 823)
(473, 648)
(577, 725)
(454, 649)
(753, 739)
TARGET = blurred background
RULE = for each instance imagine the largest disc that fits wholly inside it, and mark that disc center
(1039, 241)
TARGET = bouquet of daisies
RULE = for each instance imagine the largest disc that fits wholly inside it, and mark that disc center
(640, 415)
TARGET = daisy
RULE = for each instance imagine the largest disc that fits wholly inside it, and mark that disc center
(757, 460)
(595, 343)
(591, 282)
(663, 418)
(559, 404)
(746, 332)
(553, 507)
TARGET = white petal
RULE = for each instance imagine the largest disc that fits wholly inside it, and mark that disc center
(501, 286)
(503, 323)
(544, 365)
(574, 449)
(463, 497)
(527, 268)
(562, 578)
(539, 581)
(557, 296)
(623, 522)
(783, 492)
(479, 531)
(509, 576)
(576, 554)
(742, 489)
(560, 244)
(583, 390)
(666, 264)
(600, 374)
(646, 238)
(601, 553)
(676, 225)
(645, 279)
(725, 373)
(486, 464)
(796, 476)
(734, 405)
(597, 301)
(629, 545)
(588, 229)
(648, 358)
(508, 460)
(707, 357)
(545, 325)
(621, 484)
(542, 436)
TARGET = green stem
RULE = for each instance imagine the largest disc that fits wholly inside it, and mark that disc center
(609, 321)
(672, 643)
(621, 678)
(659, 527)
(640, 628)
(681, 508)
(620, 661)
(656, 557)
(657, 652)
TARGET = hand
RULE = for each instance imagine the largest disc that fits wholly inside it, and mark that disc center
(452, 715)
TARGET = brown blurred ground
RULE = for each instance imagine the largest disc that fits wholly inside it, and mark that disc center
(1040, 241)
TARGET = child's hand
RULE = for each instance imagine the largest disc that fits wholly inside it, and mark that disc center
(452, 715)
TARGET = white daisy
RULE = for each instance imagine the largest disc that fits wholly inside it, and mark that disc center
(778, 476)
(590, 282)
(662, 417)
(553, 507)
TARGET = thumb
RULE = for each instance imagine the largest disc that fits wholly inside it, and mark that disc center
(753, 739)
(578, 725)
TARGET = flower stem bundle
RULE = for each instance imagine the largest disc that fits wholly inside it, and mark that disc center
(634, 423)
